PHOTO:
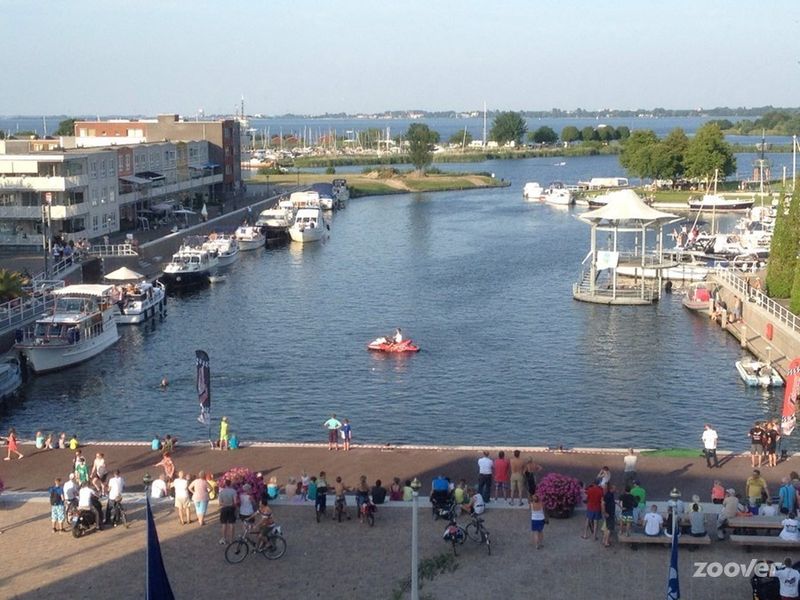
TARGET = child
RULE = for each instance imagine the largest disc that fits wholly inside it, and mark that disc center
(395, 490)
(272, 488)
(304, 481)
(408, 492)
(347, 433)
(311, 490)
(62, 441)
(81, 470)
(39, 440)
(48, 443)
(73, 442)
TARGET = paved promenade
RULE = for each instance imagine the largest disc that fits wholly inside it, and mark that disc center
(350, 560)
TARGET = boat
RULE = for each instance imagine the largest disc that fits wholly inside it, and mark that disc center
(684, 267)
(720, 203)
(326, 202)
(80, 326)
(383, 344)
(758, 374)
(557, 194)
(250, 237)
(226, 248)
(275, 222)
(309, 226)
(532, 191)
(190, 266)
(698, 297)
(137, 302)
(10, 378)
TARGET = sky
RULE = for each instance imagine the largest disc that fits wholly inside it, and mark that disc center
(86, 57)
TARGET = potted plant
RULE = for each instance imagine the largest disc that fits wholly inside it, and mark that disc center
(559, 494)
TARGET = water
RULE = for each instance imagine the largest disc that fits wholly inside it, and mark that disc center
(481, 280)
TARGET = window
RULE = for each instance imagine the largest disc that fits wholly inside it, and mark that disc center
(93, 169)
(95, 222)
(103, 168)
(94, 197)
(111, 195)
(112, 167)
(103, 195)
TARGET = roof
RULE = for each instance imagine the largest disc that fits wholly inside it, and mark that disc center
(124, 274)
(134, 179)
(625, 207)
(83, 290)
(150, 175)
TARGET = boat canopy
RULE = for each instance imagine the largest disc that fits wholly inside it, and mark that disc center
(83, 290)
(625, 207)
(124, 274)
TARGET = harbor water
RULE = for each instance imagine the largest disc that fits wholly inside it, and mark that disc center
(480, 280)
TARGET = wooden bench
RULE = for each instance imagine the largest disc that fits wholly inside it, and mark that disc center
(753, 523)
(770, 541)
(683, 540)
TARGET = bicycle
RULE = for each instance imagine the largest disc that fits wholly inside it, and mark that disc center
(248, 542)
(454, 534)
(368, 510)
(476, 531)
(118, 514)
(340, 508)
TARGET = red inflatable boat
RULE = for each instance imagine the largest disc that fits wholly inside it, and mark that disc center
(386, 345)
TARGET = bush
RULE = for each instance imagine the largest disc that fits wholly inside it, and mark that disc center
(241, 475)
(330, 171)
(559, 492)
(783, 251)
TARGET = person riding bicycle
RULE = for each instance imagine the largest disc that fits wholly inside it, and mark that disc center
(116, 485)
(264, 525)
(89, 503)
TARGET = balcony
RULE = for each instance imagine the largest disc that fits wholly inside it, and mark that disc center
(42, 184)
(169, 189)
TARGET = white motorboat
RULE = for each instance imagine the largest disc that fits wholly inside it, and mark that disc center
(533, 191)
(557, 194)
(309, 226)
(250, 237)
(10, 378)
(758, 374)
(226, 248)
(137, 302)
(720, 203)
(678, 267)
(190, 266)
(325, 202)
(80, 326)
(275, 222)
(307, 199)
(698, 297)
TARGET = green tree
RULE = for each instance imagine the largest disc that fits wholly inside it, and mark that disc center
(420, 143)
(589, 134)
(794, 303)
(707, 153)
(782, 264)
(11, 283)
(66, 127)
(570, 134)
(460, 138)
(545, 135)
(623, 132)
(674, 151)
(605, 134)
(508, 127)
(639, 153)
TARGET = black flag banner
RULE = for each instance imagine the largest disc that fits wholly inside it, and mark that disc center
(203, 386)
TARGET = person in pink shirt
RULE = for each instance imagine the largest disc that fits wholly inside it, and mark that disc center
(199, 490)
(501, 470)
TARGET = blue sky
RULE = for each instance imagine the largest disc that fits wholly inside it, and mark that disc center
(313, 56)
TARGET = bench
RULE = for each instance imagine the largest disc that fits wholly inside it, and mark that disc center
(771, 541)
(683, 540)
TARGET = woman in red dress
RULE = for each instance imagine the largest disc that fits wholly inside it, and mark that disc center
(12, 445)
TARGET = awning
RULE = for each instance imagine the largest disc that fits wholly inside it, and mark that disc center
(150, 176)
(134, 179)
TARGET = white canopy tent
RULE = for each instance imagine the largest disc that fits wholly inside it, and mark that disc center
(124, 274)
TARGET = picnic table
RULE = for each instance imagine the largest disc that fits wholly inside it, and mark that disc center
(755, 522)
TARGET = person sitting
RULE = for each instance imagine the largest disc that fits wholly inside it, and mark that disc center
(653, 522)
(233, 442)
(159, 487)
(398, 336)
(155, 445)
(697, 522)
(768, 509)
(790, 531)
(476, 504)
(168, 445)
(378, 493)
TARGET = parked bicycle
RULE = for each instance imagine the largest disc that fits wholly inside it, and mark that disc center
(454, 534)
(117, 514)
(477, 532)
(248, 542)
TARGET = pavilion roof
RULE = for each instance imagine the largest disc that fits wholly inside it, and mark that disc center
(626, 208)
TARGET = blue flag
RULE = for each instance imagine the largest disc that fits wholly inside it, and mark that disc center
(673, 586)
(158, 587)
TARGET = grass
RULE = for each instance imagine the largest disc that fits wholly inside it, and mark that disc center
(674, 452)
(371, 185)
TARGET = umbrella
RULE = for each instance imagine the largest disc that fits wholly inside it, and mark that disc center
(124, 274)
(204, 210)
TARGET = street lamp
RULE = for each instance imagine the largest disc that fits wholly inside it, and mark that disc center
(415, 486)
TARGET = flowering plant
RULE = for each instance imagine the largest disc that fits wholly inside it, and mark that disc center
(559, 492)
(241, 475)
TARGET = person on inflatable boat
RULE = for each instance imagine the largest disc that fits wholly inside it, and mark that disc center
(398, 336)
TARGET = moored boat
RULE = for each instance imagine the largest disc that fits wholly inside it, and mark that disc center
(190, 266)
(226, 248)
(720, 203)
(309, 226)
(557, 194)
(10, 378)
(136, 303)
(275, 222)
(758, 374)
(80, 326)
(250, 237)
(698, 297)
(533, 191)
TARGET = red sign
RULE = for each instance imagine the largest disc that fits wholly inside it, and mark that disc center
(788, 415)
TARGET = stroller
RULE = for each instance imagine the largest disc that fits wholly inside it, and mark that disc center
(443, 504)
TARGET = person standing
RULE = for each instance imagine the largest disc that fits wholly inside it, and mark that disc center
(199, 490)
(756, 449)
(629, 467)
(773, 435)
(638, 492)
(788, 497)
(227, 511)
(168, 465)
(99, 473)
(628, 502)
(13, 445)
(517, 465)
(755, 488)
(182, 501)
(594, 509)
(501, 471)
(789, 579)
(609, 514)
(223, 433)
(57, 513)
(71, 490)
(485, 466)
(347, 434)
(709, 438)
(333, 425)
(531, 468)
(538, 520)
(116, 485)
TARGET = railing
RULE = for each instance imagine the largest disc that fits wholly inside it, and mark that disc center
(20, 311)
(781, 313)
(113, 250)
(56, 269)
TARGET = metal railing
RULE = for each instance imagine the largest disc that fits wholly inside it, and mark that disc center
(113, 250)
(19, 311)
(780, 313)
(584, 286)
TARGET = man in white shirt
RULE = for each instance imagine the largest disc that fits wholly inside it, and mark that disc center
(629, 471)
(789, 579)
(159, 488)
(709, 438)
(790, 531)
(116, 485)
(485, 467)
(86, 501)
(70, 489)
(653, 522)
(476, 504)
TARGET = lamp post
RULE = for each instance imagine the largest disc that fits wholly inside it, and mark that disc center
(415, 486)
